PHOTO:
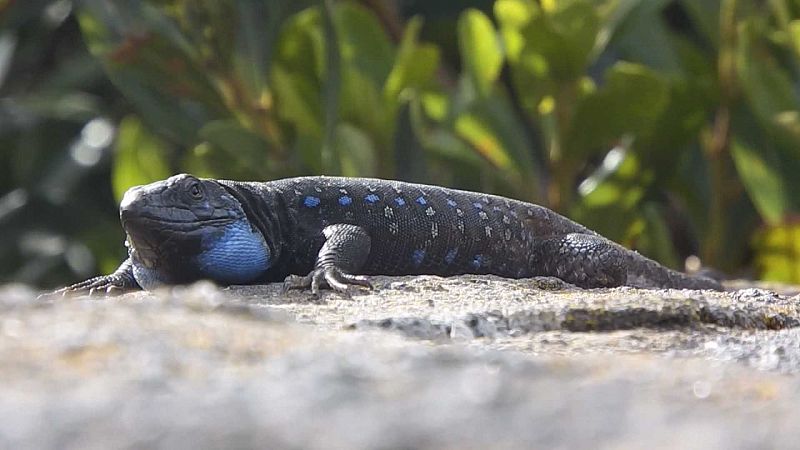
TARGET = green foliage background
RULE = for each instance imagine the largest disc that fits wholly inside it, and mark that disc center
(671, 126)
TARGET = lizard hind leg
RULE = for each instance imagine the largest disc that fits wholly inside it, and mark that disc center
(344, 252)
(584, 260)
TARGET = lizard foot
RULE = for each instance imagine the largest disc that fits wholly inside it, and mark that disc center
(331, 277)
(110, 285)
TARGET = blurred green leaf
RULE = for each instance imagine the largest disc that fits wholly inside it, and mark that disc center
(513, 16)
(480, 48)
(140, 157)
(776, 249)
(447, 145)
(630, 102)
(168, 118)
(705, 16)
(611, 194)
(614, 15)
(494, 130)
(331, 88)
(307, 147)
(171, 92)
(301, 44)
(415, 64)
(763, 181)
(356, 150)
(363, 105)
(364, 44)
(640, 34)
(256, 36)
(562, 39)
(299, 100)
(483, 140)
(794, 35)
(662, 144)
(248, 150)
(656, 241)
(139, 41)
(766, 85)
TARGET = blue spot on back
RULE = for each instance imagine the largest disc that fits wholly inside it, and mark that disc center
(451, 202)
(477, 261)
(399, 201)
(345, 200)
(372, 198)
(418, 256)
(478, 205)
(311, 202)
(451, 255)
(421, 200)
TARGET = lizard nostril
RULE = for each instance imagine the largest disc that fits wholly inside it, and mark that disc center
(129, 201)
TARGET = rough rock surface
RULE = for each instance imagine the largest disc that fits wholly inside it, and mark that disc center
(421, 362)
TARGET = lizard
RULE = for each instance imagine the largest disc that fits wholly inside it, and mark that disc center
(334, 232)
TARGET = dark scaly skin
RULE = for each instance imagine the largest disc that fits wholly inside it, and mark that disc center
(332, 232)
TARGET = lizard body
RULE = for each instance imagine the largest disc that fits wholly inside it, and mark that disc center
(331, 231)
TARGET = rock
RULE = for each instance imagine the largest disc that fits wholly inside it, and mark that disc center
(470, 362)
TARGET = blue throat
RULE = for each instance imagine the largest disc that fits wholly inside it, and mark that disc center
(238, 255)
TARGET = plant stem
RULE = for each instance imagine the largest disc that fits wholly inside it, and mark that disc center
(718, 145)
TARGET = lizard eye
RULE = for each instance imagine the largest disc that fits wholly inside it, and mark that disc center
(195, 191)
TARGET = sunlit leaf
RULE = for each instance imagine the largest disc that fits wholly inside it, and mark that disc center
(563, 39)
(139, 159)
(480, 48)
(513, 16)
(299, 100)
(484, 140)
(447, 145)
(415, 64)
(777, 252)
(301, 44)
(495, 131)
(611, 195)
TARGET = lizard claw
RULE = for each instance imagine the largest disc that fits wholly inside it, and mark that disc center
(108, 290)
(107, 285)
(330, 277)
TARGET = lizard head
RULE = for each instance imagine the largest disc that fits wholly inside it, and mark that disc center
(185, 228)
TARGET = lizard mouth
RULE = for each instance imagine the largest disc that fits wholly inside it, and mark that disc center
(147, 222)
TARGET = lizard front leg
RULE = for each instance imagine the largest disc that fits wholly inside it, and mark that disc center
(116, 283)
(344, 253)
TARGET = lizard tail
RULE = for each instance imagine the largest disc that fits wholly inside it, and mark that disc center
(645, 272)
